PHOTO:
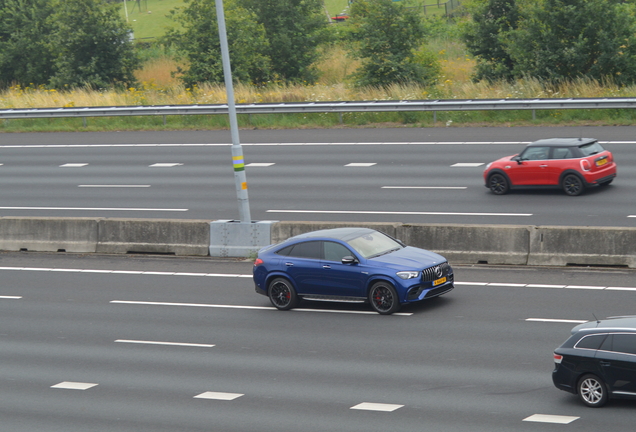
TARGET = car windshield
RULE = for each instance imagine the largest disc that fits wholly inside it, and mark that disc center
(591, 149)
(374, 244)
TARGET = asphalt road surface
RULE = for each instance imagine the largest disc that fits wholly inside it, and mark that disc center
(136, 343)
(409, 175)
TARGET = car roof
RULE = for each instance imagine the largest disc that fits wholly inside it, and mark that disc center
(343, 234)
(619, 323)
(562, 142)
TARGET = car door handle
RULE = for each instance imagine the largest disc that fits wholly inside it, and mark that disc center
(543, 166)
(326, 266)
(288, 264)
(605, 363)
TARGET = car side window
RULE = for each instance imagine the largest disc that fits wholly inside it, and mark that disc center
(592, 342)
(335, 251)
(535, 153)
(285, 251)
(624, 343)
(562, 153)
(309, 249)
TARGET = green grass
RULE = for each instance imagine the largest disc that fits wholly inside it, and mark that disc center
(148, 17)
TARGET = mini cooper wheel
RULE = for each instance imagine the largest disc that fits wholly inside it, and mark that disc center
(498, 184)
(592, 391)
(383, 298)
(572, 185)
(282, 294)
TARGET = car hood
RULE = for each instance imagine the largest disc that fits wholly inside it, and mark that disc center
(505, 158)
(409, 257)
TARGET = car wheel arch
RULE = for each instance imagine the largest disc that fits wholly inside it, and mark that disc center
(380, 278)
(500, 172)
(270, 277)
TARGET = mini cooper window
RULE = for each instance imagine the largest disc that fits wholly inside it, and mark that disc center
(562, 153)
(591, 149)
(536, 153)
(592, 342)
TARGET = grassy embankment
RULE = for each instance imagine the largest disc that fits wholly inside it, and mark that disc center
(159, 87)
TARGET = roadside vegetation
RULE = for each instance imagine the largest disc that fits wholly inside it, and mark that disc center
(442, 60)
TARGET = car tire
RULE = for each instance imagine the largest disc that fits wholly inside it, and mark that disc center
(498, 184)
(592, 391)
(572, 185)
(282, 294)
(383, 298)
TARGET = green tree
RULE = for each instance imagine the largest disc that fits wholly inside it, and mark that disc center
(485, 37)
(567, 39)
(25, 57)
(92, 45)
(294, 29)
(388, 38)
(197, 43)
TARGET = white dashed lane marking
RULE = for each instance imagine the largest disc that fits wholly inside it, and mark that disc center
(361, 164)
(219, 396)
(73, 165)
(370, 406)
(467, 164)
(142, 342)
(10, 297)
(260, 164)
(165, 165)
(70, 385)
(545, 418)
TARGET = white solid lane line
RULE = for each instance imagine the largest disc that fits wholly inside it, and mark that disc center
(96, 209)
(396, 213)
(164, 343)
(268, 308)
(113, 186)
(556, 320)
(424, 187)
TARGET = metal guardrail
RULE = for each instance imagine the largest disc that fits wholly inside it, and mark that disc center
(326, 107)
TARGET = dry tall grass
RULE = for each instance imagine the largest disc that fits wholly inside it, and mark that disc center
(159, 87)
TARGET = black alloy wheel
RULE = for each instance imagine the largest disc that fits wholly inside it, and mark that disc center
(572, 185)
(383, 298)
(592, 391)
(282, 294)
(498, 184)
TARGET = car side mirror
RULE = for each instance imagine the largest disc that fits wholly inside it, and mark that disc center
(349, 260)
(517, 159)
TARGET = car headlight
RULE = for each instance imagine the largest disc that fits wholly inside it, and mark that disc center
(408, 274)
(487, 166)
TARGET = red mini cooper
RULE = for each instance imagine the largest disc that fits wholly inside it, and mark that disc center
(572, 164)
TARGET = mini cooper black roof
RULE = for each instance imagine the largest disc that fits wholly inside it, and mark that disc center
(627, 323)
(560, 142)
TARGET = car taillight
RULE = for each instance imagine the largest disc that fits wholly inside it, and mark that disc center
(558, 358)
(258, 262)
(585, 165)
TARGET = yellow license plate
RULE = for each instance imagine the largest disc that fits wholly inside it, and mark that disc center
(439, 281)
(601, 162)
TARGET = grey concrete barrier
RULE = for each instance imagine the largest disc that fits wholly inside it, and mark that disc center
(48, 234)
(284, 230)
(461, 244)
(158, 236)
(593, 246)
(471, 244)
